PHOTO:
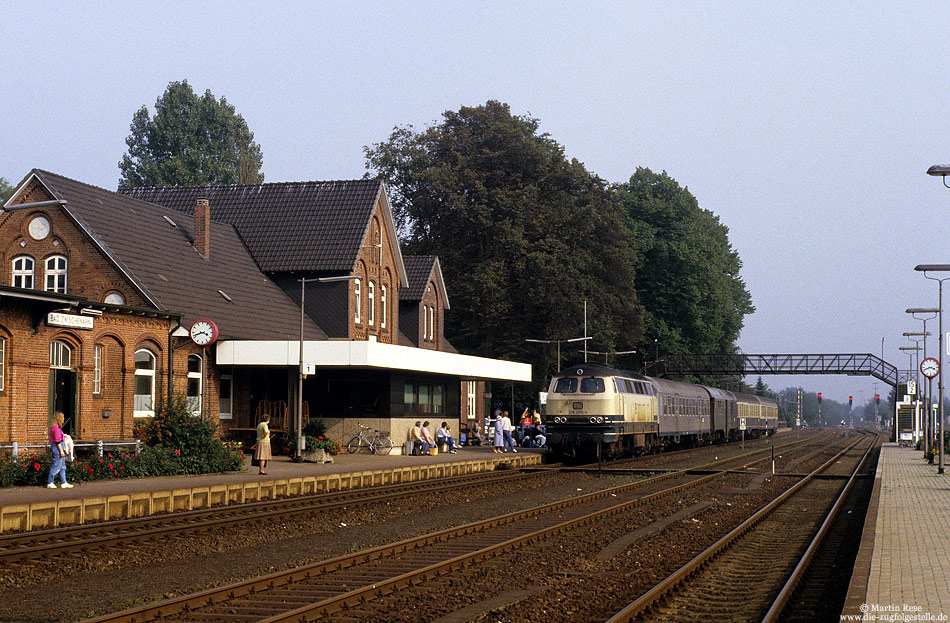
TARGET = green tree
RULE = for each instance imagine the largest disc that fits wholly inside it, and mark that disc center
(6, 189)
(693, 299)
(524, 235)
(190, 140)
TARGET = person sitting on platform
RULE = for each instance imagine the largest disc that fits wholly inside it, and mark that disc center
(418, 444)
(427, 441)
(444, 435)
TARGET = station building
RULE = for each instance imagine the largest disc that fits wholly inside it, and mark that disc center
(226, 295)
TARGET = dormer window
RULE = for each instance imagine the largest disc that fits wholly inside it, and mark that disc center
(23, 272)
(56, 274)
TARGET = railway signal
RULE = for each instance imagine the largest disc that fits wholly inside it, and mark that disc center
(819, 397)
(850, 398)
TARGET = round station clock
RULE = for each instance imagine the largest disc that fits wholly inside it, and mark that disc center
(204, 332)
(929, 367)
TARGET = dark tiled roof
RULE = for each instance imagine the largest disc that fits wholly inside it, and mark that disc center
(289, 226)
(418, 270)
(160, 258)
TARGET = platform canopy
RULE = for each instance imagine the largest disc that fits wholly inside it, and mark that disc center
(368, 355)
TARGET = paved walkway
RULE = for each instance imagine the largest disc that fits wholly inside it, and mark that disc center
(908, 574)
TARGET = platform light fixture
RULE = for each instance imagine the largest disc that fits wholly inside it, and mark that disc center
(298, 418)
(938, 268)
(940, 170)
(558, 342)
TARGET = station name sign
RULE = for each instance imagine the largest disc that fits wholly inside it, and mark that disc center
(72, 321)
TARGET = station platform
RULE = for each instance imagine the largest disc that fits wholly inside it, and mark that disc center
(902, 572)
(35, 508)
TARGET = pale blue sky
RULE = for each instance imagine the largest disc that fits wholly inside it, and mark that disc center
(807, 127)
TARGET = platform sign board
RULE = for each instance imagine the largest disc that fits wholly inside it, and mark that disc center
(742, 423)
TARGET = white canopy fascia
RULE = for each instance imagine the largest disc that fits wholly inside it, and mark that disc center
(360, 354)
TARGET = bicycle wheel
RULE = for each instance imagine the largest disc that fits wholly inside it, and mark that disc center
(384, 445)
(354, 445)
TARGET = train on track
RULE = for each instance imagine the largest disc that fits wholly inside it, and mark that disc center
(594, 408)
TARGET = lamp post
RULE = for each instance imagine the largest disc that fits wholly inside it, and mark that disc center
(931, 313)
(298, 418)
(917, 337)
(558, 342)
(911, 351)
(942, 268)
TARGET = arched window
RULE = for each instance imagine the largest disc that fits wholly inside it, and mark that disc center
(194, 384)
(114, 298)
(371, 295)
(56, 274)
(60, 355)
(23, 272)
(356, 300)
(382, 306)
(144, 384)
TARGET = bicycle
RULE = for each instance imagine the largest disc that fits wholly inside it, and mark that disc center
(379, 444)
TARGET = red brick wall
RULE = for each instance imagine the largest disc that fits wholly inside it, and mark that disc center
(369, 269)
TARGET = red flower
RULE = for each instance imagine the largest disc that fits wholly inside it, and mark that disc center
(36, 466)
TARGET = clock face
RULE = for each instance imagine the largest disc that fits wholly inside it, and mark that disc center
(930, 367)
(39, 228)
(203, 332)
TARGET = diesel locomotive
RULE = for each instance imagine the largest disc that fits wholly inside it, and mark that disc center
(591, 406)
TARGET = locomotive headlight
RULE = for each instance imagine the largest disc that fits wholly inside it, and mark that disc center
(600, 420)
(593, 420)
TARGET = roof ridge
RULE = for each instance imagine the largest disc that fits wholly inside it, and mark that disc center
(261, 185)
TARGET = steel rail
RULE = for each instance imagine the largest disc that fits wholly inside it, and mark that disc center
(220, 595)
(782, 599)
(648, 599)
(36, 544)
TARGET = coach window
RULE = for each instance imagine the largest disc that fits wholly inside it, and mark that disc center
(56, 274)
(194, 384)
(144, 398)
(23, 272)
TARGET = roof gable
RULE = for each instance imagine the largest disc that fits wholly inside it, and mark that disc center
(291, 226)
(421, 269)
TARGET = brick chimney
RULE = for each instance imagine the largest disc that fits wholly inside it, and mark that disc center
(203, 227)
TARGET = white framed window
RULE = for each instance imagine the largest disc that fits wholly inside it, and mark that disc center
(23, 272)
(3, 362)
(357, 300)
(470, 403)
(425, 321)
(431, 324)
(193, 392)
(56, 274)
(225, 396)
(97, 369)
(382, 306)
(371, 300)
(144, 398)
(114, 298)
(60, 355)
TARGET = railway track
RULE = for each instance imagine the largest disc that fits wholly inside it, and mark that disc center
(346, 586)
(17, 548)
(751, 573)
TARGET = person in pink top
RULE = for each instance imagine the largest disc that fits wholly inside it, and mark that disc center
(59, 453)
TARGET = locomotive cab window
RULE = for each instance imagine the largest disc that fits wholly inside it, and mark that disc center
(592, 385)
(566, 385)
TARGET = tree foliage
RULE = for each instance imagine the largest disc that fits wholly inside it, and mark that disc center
(524, 235)
(688, 282)
(190, 140)
(6, 189)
